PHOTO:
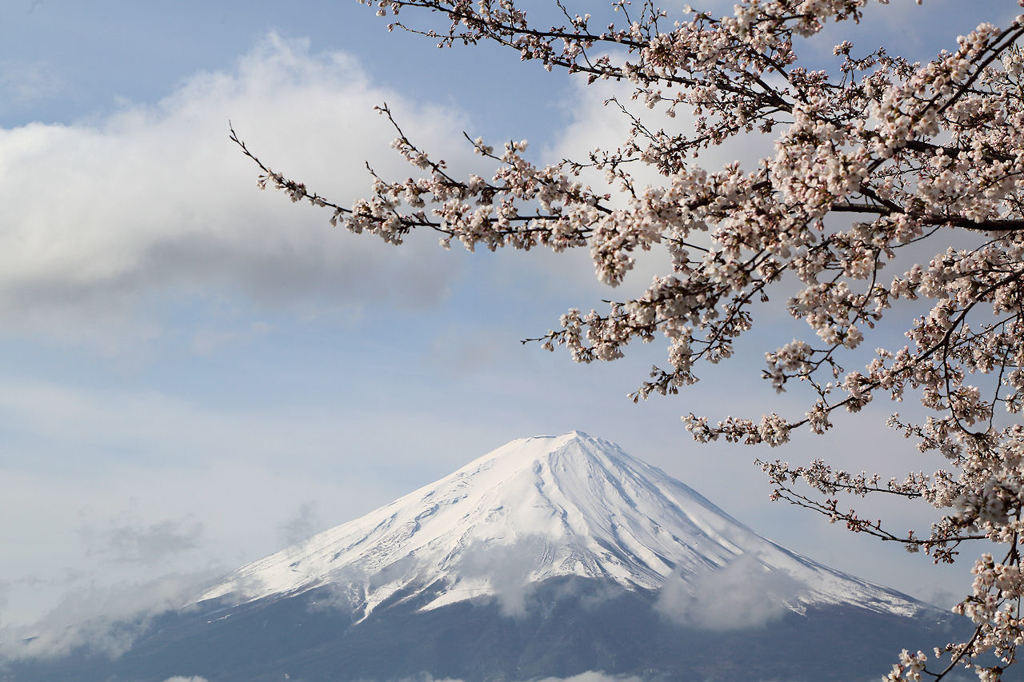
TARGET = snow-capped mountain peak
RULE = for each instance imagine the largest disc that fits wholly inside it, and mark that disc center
(535, 509)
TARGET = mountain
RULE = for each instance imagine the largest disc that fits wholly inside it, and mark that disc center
(542, 508)
(549, 556)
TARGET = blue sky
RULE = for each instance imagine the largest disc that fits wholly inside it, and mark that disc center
(193, 372)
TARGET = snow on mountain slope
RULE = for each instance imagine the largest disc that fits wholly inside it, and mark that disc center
(540, 508)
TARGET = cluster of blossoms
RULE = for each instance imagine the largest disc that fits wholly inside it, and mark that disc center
(875, 159)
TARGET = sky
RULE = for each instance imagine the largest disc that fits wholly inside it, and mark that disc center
(194, 373)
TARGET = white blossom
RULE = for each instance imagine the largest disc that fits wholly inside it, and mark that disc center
(871, 156)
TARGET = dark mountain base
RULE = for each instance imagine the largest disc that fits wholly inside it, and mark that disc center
(569, 626)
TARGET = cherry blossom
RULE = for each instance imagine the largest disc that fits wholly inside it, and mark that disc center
(876, 160)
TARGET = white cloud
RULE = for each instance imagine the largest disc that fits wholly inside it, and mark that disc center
(507, 569)
(155, 199)
(591, 676)
(596, 122)
(743, 594)
(105, 620)
(179, 678)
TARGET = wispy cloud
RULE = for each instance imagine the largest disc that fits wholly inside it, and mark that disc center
(24, 83)
(306, 523)
(743, 594)
(145, 543)
(104, 620)
(507, 569)
(591, 676)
